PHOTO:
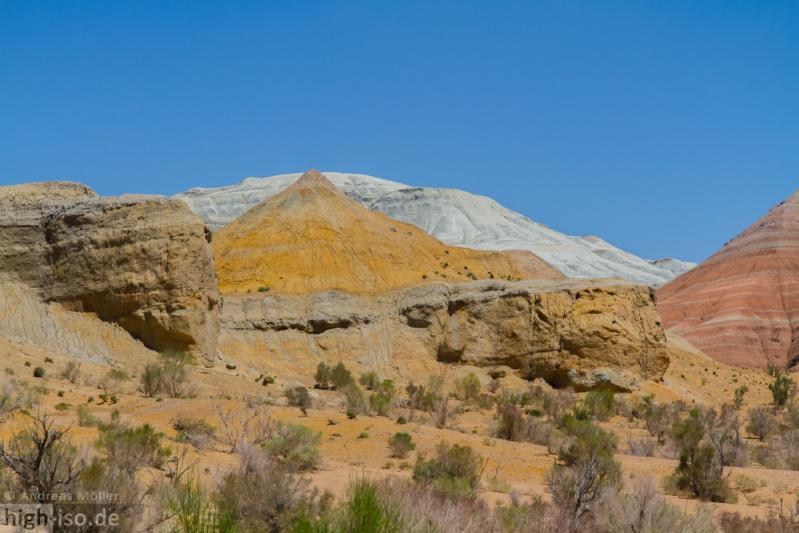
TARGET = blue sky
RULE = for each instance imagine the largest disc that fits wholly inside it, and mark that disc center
(664, 127)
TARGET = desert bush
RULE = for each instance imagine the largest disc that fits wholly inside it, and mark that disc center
(38, 372)
(700, 470)
(442, 414)
(365, 513)
(355, 401)
(265, 495)
(369, 380)
(762, 423)
(513, 424)
(299, 397)
(71, 371)
(782, 521)
(323, 376)
(381, 401)
(42, 458)
(454, 470)
(599, 404)
(151, 380)
(401, 444)
(738, 398)
(468, 387)
(340, 377)
(643, 510)
(112, 381)
(131, 448)
(174, 373)
(295, 446)
(782, 388)
(194, 431)
(15, 395)
(585, 468)
(557, 403)
(641, 447)
(791, 416)
(195, 512)
(249, 426)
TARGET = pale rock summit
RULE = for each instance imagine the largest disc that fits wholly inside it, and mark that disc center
(455, 217)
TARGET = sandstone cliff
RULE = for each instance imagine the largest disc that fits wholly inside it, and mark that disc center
(144, 263)
(600, 334)
(311, 238)
(741, 306)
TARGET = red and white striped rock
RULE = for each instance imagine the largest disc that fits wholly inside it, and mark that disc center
(741, 306)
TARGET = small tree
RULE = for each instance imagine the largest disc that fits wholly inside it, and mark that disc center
(174, 373)
(738, 399)
(454, 470)
(151, 380)
(468, 387)
(585, 468)
(299, 397)
(340, 377)
(700, 470)
(369, 380)
(598, 404)
(42, 458)
(401, 445)
(762, 423)
(323, 375)
(783, 386)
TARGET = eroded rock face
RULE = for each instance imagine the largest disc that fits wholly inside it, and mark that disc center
(143, 262)
(741, 306)
(602, 334)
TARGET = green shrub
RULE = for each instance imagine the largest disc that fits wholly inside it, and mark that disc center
(323, 376)
(38, 372)
(738, 398)
(382, 400)
(340, 377)
(762, 423)
(194, 431)
(129, 448)
(369, 380)
(599, 404)
(700, 470)
(85, 418)
(401, 444)
(150, 380)
(468, 387)
(299, 397)
(61, 406)
(295, 446)
(364, 513)
(454, 470)
(782, 388)
(586, 467)
(355, 401)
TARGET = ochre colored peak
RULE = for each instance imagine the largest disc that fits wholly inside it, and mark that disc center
(314, 179)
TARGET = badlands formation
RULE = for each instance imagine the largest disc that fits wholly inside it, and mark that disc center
(455, 217)
(311, 237)
(311, 275)
(141, 262)
(741, 306)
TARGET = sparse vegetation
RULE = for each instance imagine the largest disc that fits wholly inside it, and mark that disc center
(401, 445)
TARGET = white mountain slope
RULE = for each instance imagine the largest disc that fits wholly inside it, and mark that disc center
(455, 217)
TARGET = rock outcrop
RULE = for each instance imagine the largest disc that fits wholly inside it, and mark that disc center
(741, 306)
(600, 334)
(311, 238)
(455, 217)
(142, 262)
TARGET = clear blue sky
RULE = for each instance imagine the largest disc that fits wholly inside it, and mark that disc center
(664, 127)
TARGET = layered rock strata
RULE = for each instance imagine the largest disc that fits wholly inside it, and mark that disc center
(741, 306)
(142, 262)
(600, 334)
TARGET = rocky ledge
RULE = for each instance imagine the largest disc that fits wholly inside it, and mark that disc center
(143, 262)
(571, 333)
